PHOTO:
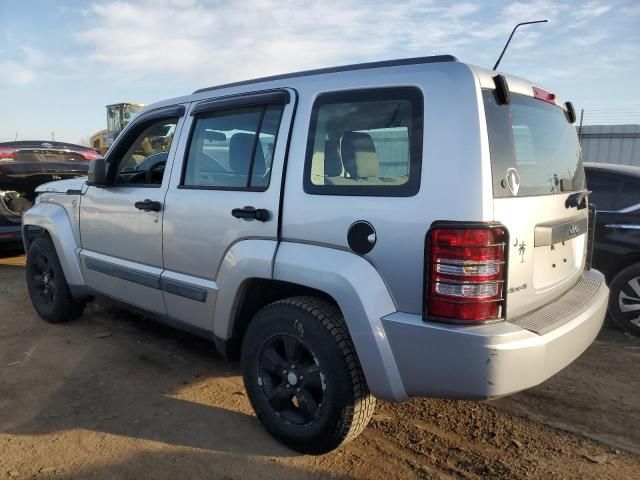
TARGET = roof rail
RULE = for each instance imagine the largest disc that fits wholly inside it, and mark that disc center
(343, 68)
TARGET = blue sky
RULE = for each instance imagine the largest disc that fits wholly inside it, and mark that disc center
(62, 61)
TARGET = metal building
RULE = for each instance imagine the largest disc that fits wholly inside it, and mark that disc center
(611, 144)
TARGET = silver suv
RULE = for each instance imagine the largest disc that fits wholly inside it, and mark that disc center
(405, 228)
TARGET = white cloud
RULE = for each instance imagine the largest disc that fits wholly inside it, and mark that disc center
(23, 69)
(15, 74)
(230, 40)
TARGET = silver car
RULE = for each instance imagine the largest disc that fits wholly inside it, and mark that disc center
(406, 228)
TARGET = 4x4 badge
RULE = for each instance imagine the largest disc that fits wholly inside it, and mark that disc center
(513, 181)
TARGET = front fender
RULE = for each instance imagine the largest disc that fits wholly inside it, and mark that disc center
(55, 220)
(363, 299)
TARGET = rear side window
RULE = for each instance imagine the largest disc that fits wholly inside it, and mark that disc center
(365, 142)
(535, 139)
(232, 149)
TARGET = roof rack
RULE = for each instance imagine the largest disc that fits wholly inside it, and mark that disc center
(343, 68)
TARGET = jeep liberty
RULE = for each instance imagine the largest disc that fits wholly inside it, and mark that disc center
(414, 227)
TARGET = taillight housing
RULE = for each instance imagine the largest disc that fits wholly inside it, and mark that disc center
(465, 272)
(7, 153)
(89, 154)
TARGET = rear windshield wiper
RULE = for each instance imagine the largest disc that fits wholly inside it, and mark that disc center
(577, 199)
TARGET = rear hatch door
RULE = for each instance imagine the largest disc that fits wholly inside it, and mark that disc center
(537, 176)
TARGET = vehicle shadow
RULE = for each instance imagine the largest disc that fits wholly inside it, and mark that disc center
(193, 465)
(118, 373)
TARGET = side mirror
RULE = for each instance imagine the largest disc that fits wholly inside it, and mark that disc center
(97, 172)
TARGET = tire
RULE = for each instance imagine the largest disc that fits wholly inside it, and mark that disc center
(624, 299)
(47, 286)
(333, 404)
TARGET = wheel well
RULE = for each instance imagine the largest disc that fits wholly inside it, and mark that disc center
(257, 293)
(30, 232)
(621, 264)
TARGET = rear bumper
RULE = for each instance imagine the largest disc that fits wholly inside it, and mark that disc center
(480, 362)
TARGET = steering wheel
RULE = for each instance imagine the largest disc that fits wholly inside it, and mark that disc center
(152, 170)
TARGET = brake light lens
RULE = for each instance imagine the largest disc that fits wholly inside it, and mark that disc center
(466, 273)
(7, 153)
(544, 95)
(89, 154)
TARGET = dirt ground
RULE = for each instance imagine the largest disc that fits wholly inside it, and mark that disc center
(115, 396)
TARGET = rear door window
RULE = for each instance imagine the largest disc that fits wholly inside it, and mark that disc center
(365, 142)
(534, 138)
(233, 148)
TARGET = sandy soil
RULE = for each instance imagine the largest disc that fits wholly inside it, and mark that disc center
(116, 396)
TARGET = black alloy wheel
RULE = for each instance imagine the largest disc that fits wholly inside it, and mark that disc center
(292, 380)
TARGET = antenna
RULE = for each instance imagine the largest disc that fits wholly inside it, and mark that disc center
(510, 36)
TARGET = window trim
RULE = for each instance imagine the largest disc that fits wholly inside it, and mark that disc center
(264, 100)
(411, 93)
(268, 97)
(132, 131)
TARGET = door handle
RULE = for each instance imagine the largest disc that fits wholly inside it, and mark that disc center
(251, 213)
(148, 205)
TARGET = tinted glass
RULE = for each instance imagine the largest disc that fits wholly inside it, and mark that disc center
(145, 159)
(229, 146)
(535, 138)
(604, 189)
(365, 143)
(629, 194)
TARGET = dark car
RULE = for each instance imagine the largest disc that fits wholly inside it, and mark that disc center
(616, 195)
(24, 165)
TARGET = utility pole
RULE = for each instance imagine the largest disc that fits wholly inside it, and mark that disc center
(53, 136)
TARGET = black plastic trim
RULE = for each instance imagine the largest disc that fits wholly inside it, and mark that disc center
(183, 290)
(172, 111)
(343, 68)
(141, 278)
(571, 112)
(280, 97)
(284, 168)
(502, 92)
(148, 280)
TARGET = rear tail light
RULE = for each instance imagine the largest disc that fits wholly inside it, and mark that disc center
(7, 153)
(89, 154)
(466, 272)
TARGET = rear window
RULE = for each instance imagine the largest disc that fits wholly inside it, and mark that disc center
(365, 142)
(534, 149)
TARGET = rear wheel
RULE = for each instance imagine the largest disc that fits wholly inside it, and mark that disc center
(303, 377)
(624, 299)
(47, 286)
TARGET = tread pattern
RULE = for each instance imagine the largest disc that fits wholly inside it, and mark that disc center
(328, 314)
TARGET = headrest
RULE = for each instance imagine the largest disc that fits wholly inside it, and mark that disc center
(359, 155)
(332, 162)
(240, 147)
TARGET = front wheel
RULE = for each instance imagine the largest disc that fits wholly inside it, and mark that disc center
(303, 377)
(624, 299)
(47, 286)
